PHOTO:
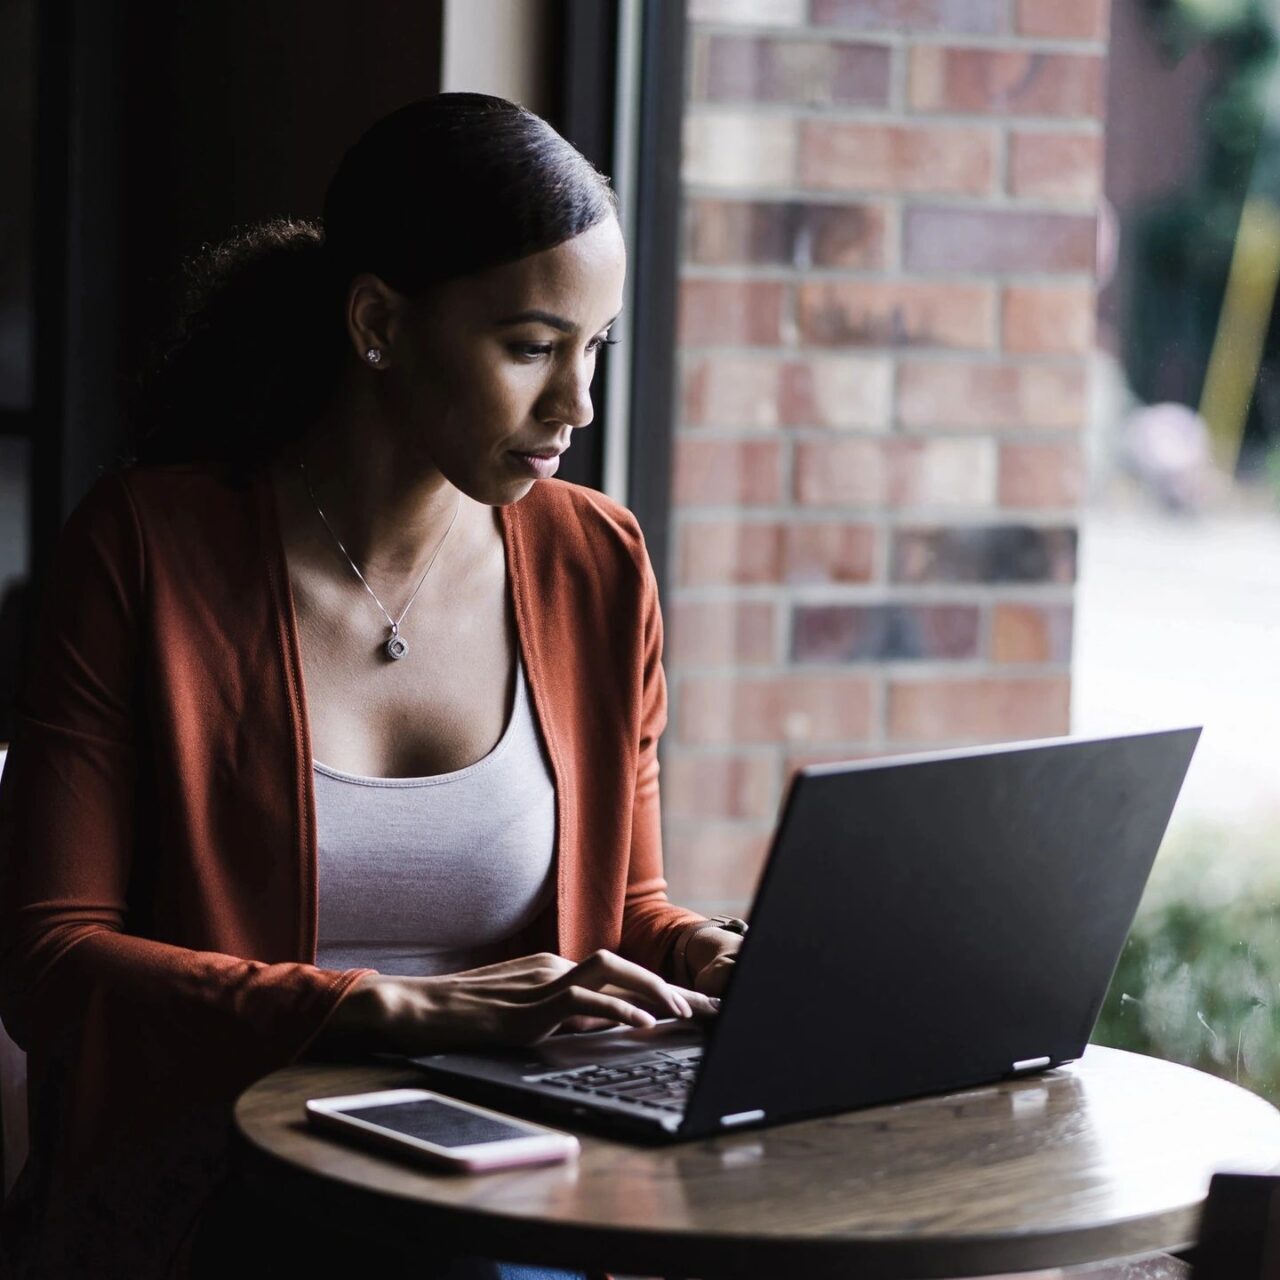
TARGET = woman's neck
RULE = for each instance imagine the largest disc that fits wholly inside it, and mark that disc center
(389, 510)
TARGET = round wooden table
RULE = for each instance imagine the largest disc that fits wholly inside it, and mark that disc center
(1108, 1157)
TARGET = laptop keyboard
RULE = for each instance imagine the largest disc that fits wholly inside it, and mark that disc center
(660, 1080)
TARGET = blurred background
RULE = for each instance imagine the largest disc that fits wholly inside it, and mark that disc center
(948, 396)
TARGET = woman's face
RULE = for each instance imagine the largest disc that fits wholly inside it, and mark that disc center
(489, 376)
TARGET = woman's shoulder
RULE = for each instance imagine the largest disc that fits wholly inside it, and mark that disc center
(158, 514)
(156, 486)
(571, 520)
(582, 557)
(173, 496)
(176, 483)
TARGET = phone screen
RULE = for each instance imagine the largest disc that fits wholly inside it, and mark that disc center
(438, 1122)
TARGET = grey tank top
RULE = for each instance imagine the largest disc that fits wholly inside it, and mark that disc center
(420, 876)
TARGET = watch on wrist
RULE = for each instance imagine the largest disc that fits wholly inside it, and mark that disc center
(730, 924)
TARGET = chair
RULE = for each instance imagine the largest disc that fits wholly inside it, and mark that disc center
(13, 1094)
(1240, 1229)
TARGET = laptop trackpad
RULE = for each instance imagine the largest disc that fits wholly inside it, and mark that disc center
(562, 1053)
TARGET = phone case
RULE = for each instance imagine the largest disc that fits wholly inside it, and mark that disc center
(545, 1146)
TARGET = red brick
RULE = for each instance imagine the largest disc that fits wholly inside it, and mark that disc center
(1031, 633)
(727, 472)
(840, 472)
(715, 865)
(828, 551)
(895, 473)
(1049, 319)
(883, 632)
(732, 232)
(715, 312)
(728, 786)
(1041, 475)
(943, 159)
(991, 240)
(896, 313)
(1063, 19)
(984, 553)
(721, 633)
(982, 710)
(804, 72)
(993, 397)
(1056, 166)
(736, 147)
(716, 552)
(781, 709)
(1005, 81)
(731, 390)
(943, 473)
(838, 391)
(975, 17)
(842, 235)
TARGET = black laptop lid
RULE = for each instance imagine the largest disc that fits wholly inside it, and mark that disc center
(930, 922)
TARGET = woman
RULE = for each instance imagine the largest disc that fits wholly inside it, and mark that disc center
(340, 729)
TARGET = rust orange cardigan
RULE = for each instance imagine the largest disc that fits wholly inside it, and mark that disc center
(157, 833)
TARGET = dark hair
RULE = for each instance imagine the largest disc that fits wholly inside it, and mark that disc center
(440, 189)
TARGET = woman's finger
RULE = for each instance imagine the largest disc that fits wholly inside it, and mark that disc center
(604, 967)
(705, 1004)
(575, 1001)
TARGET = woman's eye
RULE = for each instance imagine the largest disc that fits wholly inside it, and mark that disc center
(536, 350)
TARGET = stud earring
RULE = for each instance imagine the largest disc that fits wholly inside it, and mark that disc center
(373, 355)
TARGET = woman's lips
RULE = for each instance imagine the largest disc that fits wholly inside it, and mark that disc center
(542, 468)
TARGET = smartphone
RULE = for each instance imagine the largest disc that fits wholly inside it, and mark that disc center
(435, 1130)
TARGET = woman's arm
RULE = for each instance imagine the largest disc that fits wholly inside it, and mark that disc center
(654, 931)
(518, 1001)
(70, 877)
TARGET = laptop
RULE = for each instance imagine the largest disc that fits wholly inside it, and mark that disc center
(922, 924)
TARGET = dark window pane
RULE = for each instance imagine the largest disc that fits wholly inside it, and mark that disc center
(17, 128)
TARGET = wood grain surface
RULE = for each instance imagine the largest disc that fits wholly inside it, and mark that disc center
(1106, 1158)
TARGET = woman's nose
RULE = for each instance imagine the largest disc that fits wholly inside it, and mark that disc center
(568, 399)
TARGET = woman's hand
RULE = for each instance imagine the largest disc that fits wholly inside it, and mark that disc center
(514, 1002)
(710, 958)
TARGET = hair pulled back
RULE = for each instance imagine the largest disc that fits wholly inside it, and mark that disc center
(443, 188)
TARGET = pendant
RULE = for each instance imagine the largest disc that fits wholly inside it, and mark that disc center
(396, 646)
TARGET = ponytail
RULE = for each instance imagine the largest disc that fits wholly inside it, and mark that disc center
(254, 353)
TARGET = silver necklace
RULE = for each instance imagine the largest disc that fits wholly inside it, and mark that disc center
(396, 645)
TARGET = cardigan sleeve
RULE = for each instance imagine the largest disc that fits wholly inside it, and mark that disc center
(651, 924)
(73, 947)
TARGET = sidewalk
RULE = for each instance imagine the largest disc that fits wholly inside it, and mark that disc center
(1178, 622)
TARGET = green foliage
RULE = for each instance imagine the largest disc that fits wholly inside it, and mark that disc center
(1183, 23)
(1271, 466)
(1182, 242)
(1243, 38)
(1199, 979)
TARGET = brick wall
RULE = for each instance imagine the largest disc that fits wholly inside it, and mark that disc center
(887, 303)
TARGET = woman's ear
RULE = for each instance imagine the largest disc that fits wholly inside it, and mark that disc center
(375, 315)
